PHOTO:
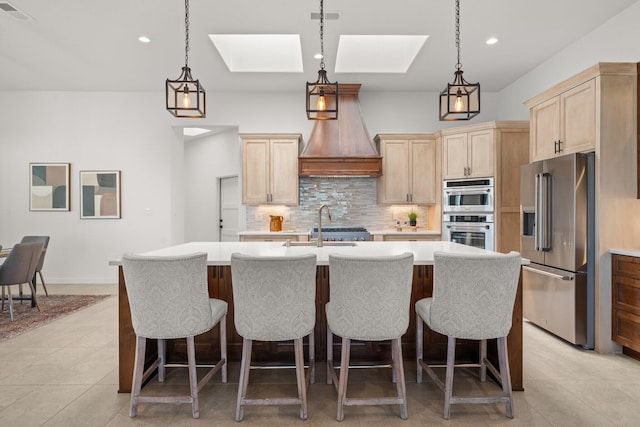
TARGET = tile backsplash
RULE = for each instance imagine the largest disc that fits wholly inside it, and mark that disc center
(352, 202)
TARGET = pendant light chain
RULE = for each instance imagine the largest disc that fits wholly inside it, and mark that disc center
(459, 64)
(322, 34)
(186, 33)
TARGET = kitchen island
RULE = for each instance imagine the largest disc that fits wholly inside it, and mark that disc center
(219, 284)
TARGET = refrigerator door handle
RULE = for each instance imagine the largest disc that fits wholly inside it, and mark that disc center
(546, 273)
(543, 212)
(537, 214)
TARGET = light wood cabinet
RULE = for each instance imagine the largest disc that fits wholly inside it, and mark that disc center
(409, 169)
(405, 237)
(468, 154)
(564, 123)
(270, 169)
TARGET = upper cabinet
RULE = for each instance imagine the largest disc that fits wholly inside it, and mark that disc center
(270, 168)
(564, 123)
(409, 169)
(468, 154)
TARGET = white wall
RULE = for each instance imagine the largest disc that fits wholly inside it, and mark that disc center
(207, 159)
(614, 41)
(90, 131)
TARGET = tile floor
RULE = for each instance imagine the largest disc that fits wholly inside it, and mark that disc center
(65, 374)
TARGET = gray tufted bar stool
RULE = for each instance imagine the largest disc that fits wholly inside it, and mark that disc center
(274, 300)
(369, 301)
(169, 299)
(473, 298)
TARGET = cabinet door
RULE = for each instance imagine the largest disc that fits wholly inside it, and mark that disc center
(545, 129)
(255, 171)
(394, 183)
(454, 156)
(284, 171)
(480, 153)
(423, 171)
(578, 118)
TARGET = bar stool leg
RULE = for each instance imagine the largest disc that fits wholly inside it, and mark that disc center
(344, 375)
(245, 365)
(419, 345)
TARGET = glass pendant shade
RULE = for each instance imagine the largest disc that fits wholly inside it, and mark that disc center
(322, 98)
(460, 100)
(186, 96)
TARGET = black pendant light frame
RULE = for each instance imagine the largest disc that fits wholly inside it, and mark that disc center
(185, 96)
(322, 95)
(461, 99)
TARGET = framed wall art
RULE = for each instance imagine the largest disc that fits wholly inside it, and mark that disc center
(100, 194)
(49, 186)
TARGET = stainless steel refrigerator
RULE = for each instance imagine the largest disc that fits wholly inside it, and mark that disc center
(557, 223)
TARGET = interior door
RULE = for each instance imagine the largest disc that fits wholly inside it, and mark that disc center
(229, 207)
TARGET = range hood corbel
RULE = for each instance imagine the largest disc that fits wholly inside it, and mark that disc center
(341, 147)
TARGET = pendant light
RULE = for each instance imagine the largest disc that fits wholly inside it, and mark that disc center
(322, 95)
(185, 95)
(461, 99)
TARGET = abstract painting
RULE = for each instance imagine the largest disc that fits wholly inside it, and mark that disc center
(99, 194)
(49, 186)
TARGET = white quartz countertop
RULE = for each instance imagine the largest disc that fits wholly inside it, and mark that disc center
(220, 252)
(628, 252)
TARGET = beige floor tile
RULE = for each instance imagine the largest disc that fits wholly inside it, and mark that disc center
(70, 368)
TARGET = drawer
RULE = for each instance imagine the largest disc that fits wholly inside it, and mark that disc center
(625, 265)
(625, 294)
(625, 329)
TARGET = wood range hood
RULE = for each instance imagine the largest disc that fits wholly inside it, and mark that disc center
(341, 147)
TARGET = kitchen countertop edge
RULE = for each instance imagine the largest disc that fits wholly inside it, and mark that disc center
(628, 252)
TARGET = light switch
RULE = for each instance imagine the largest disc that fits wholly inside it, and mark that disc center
(147, 211)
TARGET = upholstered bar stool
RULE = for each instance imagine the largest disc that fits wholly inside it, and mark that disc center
(169, 299)
(369, 301)
(473, 298)
(274, 300)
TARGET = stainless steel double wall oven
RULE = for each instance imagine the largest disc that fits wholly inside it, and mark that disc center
(468, 212)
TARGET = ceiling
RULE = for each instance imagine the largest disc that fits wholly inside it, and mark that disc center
(92, 45)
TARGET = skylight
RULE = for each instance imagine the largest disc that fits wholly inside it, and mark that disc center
(194, 131)
(377, 54)
(265, 53)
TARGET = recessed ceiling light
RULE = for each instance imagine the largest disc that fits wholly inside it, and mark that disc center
(266, 53)
(318, 56)
(144, 39)
(377, 54)
(194, 131)
(492, 40)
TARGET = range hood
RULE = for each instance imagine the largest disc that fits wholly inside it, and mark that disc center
(341, 147)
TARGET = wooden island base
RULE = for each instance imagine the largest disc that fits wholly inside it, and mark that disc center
(219, 280)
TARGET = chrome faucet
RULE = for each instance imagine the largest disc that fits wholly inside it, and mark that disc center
(320, 223)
